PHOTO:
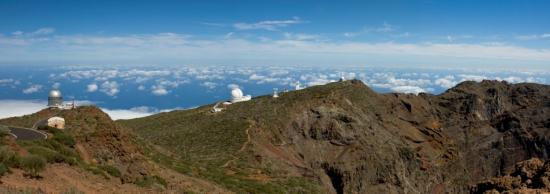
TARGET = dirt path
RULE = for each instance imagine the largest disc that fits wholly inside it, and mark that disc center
(248, 139)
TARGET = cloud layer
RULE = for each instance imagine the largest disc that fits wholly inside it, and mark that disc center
(287, 48)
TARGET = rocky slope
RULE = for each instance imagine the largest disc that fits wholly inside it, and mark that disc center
(344, 138)
(530, 176)
(108, 158)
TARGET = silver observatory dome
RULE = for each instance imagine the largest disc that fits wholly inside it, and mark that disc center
(55, 99)
(55, 93)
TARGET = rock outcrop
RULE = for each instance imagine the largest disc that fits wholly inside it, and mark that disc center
(530, 176)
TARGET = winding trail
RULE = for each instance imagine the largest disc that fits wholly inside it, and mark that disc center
(248, 140)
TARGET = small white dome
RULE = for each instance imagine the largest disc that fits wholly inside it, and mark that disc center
(236, 93)
(55, 93)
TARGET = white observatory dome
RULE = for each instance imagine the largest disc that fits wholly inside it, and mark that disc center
(55, 94)
(236, 93)
(238, 96)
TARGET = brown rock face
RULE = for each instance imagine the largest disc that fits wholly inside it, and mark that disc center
(357, 141)
(105, 142)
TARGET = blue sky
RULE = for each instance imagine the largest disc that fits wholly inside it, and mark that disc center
(432, 34)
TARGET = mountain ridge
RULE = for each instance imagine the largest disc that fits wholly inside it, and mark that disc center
(340, 137)
(423, 137)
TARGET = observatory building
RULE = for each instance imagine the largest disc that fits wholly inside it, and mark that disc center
(56, 122)
(55, 99)
(237, 96)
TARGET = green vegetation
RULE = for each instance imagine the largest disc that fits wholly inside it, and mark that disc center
(198, 143)
(3, 169)
(148, 181)
(95, 170)
(111, 170)
(8, 158)
(61, 136)
(33, 164)
(53, 151)
(4, 131)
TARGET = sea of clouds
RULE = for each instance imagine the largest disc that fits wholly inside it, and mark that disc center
(128, 92)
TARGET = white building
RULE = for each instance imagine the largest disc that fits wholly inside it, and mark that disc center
(56, 122)
(238, 96)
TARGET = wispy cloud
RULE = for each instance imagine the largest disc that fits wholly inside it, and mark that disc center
(32, 89)
(384, 28)
(292, 49)
(533, 36)
(271, 25)
(300, 36)
(38, 32)
(453, 38)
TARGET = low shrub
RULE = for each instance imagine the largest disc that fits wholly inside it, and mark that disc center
(33, 165)
(95, 170)
(51, 156)
(9, 158)
(65, 139)
(4, 131)
(148, 181)
(113, 171)
(3, 169)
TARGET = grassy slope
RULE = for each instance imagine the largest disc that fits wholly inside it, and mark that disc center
(205, 140)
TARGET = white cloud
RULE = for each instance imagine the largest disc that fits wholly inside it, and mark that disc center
(300, 36)
(159, 90)
(32, 89)
(12, 108)
(209, 85)
(533, 36)
(469, 77)
(176, 47)
(385, 28)
(256, 77)
(168, 39)
(271, 25)
(6, 81)
(56, 85)
(116, 114)
(110, 88)
(232, 86)
(408, 89)
(38, 32)
(141, 87)
(43, 31)
(446, 82)
(92, 87)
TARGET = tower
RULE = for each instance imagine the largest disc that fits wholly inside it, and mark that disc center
(275, 93)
